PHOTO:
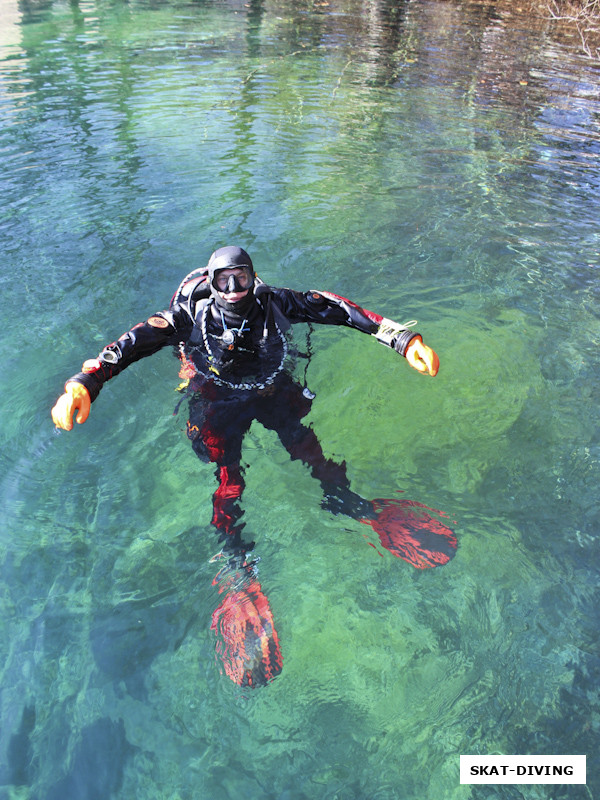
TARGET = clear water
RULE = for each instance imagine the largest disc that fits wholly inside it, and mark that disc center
(434, 160)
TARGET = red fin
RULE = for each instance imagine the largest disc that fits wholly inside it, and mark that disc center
(247, 644)
(409, 531)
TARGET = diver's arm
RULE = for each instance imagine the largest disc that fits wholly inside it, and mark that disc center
(144, 339)
(331, 309)
(160, 330)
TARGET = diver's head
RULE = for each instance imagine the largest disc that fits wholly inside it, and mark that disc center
(231, 276)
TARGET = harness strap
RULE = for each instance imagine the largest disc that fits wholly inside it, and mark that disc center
(211, 357)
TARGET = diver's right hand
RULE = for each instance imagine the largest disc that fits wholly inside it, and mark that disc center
(75, 398)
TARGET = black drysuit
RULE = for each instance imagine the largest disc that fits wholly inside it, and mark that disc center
(235, 363)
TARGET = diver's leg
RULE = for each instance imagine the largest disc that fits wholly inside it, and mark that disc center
(282, 412)
(216, 430)
(247, 642)
(407, 529)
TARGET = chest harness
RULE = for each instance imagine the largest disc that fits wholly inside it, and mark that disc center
(229, 340)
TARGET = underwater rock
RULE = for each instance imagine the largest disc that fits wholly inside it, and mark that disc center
(98, 764)
(20, 751)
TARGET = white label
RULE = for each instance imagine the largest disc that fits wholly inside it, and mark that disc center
(522, 769)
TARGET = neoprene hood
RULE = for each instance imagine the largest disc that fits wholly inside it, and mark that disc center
(227, 258)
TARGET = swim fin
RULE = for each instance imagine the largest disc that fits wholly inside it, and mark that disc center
(409, 531)
(247, 641)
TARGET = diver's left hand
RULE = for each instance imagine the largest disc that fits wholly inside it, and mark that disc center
(422, 358)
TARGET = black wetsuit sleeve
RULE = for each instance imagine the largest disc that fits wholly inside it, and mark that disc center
(322, 308)
(160, 330)
(331, 309)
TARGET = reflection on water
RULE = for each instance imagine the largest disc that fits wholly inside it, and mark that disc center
(434, 160)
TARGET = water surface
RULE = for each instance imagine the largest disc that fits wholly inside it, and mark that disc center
(433, 161)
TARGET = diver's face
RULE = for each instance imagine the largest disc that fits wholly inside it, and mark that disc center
(233, 284)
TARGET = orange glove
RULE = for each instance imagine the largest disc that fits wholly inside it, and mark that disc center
(422, 358)
(75, 398)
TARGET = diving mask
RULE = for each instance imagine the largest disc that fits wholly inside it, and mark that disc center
(233, 279)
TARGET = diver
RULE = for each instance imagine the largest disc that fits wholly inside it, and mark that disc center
(232, 334)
